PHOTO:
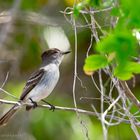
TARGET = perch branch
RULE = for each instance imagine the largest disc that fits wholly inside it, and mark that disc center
(82, 111)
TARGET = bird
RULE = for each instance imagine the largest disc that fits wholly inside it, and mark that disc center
(40, 84)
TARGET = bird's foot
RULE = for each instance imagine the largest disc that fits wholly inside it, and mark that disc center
(52, 107)
(34, 103)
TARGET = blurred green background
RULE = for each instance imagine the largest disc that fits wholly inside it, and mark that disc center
(20, 55)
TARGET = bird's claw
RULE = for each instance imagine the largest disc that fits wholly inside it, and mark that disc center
(52, 107)
(34, 103)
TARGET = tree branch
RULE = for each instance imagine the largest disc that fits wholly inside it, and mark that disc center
(48, 106)
(129, 94)
(82, 111)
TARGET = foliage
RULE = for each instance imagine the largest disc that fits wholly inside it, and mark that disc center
(120, 46)
(94, 62)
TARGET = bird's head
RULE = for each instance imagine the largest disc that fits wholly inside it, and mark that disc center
(53, 56)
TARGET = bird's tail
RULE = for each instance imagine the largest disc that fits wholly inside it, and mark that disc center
(5, 118)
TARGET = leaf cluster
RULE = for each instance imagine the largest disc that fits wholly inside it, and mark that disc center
(119, 48)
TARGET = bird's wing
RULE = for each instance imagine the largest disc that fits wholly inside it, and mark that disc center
(32, 82)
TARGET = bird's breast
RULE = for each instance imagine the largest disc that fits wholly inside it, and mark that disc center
(45, 85)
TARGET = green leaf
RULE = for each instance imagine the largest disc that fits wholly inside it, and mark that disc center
(133, 67)
(123, 44)
(95, 62)
(131, 12)
(123, 75)
(76, 11)
(115, 11)
(126, 71)
(94, 3)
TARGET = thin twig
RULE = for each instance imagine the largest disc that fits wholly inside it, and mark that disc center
(9, 94)
(6, 78)
(85, 130)
(129, 94)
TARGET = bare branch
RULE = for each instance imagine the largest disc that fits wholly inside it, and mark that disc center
(129, 94)
(6, 92)
(6, 78)
(82, 111)
(47, 106)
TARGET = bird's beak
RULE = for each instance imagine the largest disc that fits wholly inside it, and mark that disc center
(63, 53)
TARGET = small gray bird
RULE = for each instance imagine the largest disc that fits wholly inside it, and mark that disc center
(40, 84)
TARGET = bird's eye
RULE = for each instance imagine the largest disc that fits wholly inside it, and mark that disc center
(55, 52)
